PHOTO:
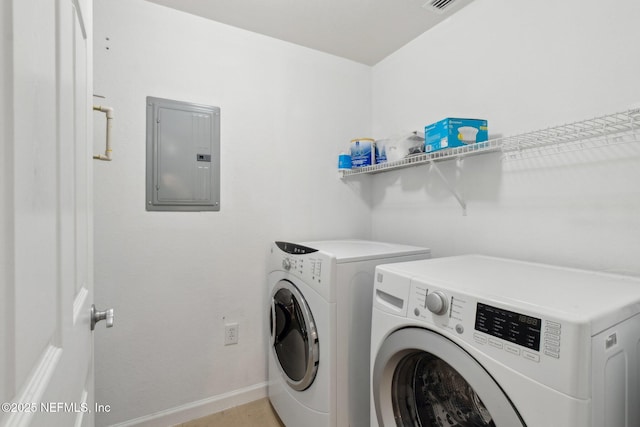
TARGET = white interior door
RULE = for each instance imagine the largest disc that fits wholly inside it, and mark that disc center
(46, 276)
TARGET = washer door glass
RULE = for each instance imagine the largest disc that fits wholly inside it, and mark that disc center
(293, 335)
(427, 391)
(420, 378)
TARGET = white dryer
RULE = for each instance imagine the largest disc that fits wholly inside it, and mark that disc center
(320, 328)
(481, 341)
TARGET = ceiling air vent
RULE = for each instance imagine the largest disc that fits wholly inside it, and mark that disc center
(438, 6)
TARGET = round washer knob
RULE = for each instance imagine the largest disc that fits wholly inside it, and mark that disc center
(437, 302)
(286, 264)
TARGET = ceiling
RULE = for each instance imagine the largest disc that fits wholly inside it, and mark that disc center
(364, 31)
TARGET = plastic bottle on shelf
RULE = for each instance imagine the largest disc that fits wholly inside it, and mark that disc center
(344, 161)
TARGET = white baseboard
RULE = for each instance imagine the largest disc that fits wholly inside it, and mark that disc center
(199, 409)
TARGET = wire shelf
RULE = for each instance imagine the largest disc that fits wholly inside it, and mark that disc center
(424, 158)
(612, 129)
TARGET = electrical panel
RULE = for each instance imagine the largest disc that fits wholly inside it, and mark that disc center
(183, 156)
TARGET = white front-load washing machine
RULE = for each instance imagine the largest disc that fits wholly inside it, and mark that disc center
(482, 341)
(320, 328)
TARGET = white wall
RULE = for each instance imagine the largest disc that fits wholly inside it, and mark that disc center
(173, 278)
(523, 66)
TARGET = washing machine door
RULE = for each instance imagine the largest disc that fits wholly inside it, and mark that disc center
(294, 338)
(421, 378)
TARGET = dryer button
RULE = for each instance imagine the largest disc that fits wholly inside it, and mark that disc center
(480, 339)
(550, 341)
(495, 343)
(512, 349)
(552, 331)
(552, 354)
(531, 356)
(553, 324)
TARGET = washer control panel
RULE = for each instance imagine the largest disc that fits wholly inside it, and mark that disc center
(487, 326)
(499, 329)
(516, 328)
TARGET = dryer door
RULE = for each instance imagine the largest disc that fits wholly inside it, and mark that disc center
(294, 339)
(422, 379)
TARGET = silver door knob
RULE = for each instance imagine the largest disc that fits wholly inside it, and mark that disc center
(97, 316)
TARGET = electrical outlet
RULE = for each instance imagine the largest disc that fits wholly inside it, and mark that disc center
(230, 333)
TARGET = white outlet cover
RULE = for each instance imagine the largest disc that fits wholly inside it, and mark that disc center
(230, 333)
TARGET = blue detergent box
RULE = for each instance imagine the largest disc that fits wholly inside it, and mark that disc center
(454, 132)
(362, 152)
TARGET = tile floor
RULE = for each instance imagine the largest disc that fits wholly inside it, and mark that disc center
(253, 414)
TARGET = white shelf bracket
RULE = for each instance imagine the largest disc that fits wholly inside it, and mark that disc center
(450, 187)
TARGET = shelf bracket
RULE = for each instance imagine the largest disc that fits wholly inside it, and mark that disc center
(450, 187)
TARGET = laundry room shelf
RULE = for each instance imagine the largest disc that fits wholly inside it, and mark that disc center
(611, 129)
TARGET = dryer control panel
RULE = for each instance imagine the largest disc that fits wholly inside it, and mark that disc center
(308, 264)
(293, 248)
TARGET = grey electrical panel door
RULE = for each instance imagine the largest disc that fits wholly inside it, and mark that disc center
(183, 156)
